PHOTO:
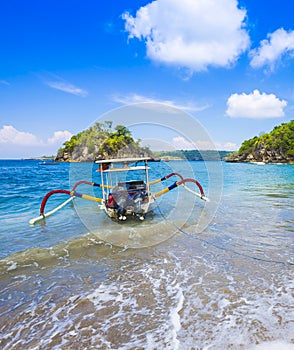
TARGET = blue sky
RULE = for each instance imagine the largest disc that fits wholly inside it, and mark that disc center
(63, 64)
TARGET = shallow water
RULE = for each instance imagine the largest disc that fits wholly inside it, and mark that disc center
(65, 285)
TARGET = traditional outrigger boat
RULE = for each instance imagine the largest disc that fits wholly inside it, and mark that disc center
(126, 189)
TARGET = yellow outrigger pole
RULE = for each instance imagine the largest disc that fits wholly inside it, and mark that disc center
(72, 194)
(182, 182)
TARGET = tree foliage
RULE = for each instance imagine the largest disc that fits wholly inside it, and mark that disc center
(102, 141)
(120, 138)
(280, 139)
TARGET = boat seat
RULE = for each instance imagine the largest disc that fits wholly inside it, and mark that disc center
(135, 185)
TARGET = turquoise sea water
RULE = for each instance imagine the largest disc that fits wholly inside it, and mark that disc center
(193, 275)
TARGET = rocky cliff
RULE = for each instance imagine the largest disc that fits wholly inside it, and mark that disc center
(260, 154)
(274, 147)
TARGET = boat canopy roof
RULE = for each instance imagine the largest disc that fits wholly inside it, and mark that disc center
(113, 170)
(123, 160)
(113, 165)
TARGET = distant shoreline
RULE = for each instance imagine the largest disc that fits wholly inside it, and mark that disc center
(39, 158)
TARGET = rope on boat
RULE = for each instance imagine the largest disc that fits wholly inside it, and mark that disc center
(183, 182)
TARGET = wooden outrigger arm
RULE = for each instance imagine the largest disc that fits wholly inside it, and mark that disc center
(165, 178)
(90, 183)
(183, 182)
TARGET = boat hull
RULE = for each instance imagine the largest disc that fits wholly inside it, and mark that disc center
(122, 213)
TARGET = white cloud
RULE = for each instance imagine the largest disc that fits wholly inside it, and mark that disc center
(19, 144)
(227, 146)
(230, 146)
(255, 105)
(60, 137)
(189, 33)
(4, 82)
(272, 49)
(67, 87)
(10, 135)
(180, 142)
(136, 98)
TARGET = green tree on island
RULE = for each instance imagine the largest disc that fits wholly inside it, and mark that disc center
(101, 141)
(276, 146)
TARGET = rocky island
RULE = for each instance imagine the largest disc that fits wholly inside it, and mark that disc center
(274, 147)
(101, 141)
